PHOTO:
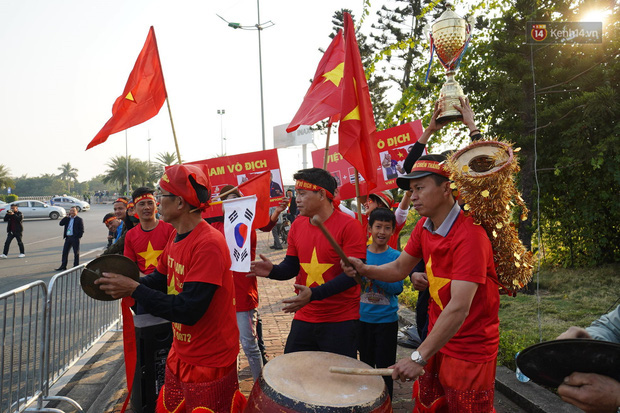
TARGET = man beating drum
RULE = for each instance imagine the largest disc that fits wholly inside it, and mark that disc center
(201, 369)
(327, 306)
(460, 351)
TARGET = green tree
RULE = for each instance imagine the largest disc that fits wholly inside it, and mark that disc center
(117, 172)
(47, 184)
(559, 104)
(5, 179)
(68, 174)
(166, 158)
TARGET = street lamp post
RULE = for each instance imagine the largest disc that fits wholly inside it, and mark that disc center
(258, 26)
(148, 139)
(221, 112)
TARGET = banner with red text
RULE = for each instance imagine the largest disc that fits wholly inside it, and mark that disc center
(236, 169)
(393, 145)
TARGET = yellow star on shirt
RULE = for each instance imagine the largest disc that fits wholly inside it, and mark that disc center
(150, 256)
(334, 75)
(315, 270)
(435, 283)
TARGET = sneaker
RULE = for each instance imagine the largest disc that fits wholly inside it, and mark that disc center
(273, 247)
(3, 256)
(21, 255)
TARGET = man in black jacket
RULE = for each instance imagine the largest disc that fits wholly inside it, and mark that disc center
(72, 232)
(14, 229)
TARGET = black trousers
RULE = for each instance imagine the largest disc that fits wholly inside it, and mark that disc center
(339, 338)
(9, 238)
(71, 241)
(377, 346)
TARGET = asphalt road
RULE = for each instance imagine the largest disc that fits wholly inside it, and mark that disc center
(43, 244)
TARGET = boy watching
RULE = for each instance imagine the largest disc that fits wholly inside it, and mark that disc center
(379, 301)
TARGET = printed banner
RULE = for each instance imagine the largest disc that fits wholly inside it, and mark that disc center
(393, 145)
(236, 169)
(238, 216)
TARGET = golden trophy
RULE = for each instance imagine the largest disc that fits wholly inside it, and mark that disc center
(450, 36)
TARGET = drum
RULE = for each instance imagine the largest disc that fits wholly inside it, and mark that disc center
(301, 382)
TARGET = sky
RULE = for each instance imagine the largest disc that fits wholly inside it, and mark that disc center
(64, 63)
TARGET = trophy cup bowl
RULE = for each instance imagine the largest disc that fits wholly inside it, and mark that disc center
(450, 34)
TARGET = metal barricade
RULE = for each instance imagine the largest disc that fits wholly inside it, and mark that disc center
(22, 333)
(74, 323)
(44, 331)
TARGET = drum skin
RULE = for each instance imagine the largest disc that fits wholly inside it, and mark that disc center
(301, 382)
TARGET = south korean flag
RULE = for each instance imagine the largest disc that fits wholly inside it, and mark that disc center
(238, 216)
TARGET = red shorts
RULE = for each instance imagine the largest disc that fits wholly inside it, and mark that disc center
(188, 387)
(455, 386)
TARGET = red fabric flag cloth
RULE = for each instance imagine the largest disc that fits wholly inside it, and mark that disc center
(259, 186)
(356, 133)
(144, 94)
(322, 99)
(398, 154)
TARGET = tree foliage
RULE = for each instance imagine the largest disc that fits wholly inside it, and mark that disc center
(558, 103)
(5, 179)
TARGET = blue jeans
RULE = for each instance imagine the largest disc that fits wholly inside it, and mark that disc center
(246, 321)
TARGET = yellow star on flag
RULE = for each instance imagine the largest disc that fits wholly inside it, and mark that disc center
(355, 113)
(130, 97)
(315, 270)
(334, 75)
(150, 256)
(435, 283)
(172, 287)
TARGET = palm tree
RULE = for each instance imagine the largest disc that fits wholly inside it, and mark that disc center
(5, 180)
(166, 158)
(117, 172)
(68, 173)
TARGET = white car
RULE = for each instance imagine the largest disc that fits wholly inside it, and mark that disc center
(67, 202)
(34, 209)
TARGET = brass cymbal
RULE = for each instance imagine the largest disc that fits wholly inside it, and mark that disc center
(106, 263)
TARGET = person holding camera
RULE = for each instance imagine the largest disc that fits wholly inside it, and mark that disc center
(14, 229)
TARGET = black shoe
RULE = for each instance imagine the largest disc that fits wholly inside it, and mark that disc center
(60, 269)
(273, 247)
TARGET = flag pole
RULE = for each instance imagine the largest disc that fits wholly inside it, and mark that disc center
(174, 134)
(329, 129)
(358, 196)
(126, 164)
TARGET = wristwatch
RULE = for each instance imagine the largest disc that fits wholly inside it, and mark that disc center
(417, 358)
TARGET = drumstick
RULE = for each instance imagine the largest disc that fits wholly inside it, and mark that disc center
(317, 221)
(363, 372)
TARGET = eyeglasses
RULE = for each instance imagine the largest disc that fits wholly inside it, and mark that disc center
(158, 197)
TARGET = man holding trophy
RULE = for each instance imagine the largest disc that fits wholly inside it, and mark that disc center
(454, 367)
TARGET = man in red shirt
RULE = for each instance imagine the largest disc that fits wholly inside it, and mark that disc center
(327, 306)
(192, 286)
(459, 354)
(145, 242)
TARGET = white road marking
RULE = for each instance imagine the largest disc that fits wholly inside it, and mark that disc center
(43, 240)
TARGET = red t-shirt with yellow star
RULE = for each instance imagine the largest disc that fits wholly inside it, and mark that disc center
(464, 254)
(203, 256)
(144, 247)
(320, 263)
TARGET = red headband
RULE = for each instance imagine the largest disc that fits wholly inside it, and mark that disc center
(107, 221)
(130, 205)
(435, 167)
(143, 197)
(300, 184)
(124, 201)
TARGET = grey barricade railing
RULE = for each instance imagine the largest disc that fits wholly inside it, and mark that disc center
(22, 334)
(44, 332)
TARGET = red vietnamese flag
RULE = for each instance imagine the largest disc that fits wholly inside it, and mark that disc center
(398, 154)
(259, 186)
(322, 99)
(356, 133)
(143, 96)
